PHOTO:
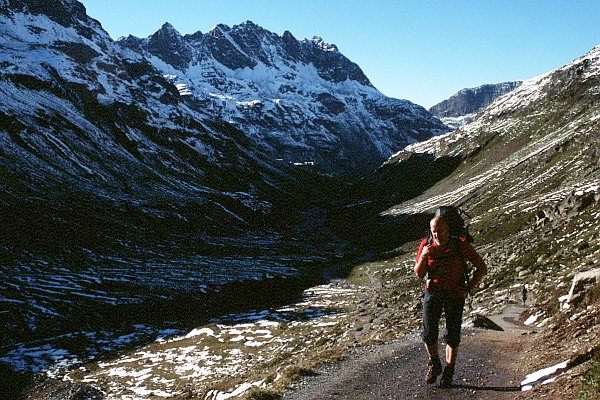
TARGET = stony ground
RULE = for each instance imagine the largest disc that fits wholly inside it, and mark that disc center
(355, 338)
(492, 364)
(491, 367)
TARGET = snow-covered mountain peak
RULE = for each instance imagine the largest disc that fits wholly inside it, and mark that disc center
(167, 30)
(323, 45)
(298, 99)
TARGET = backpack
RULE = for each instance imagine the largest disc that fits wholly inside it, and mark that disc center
(456, 224)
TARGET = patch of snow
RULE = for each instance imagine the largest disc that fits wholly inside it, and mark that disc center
(201, 331)
(543, 376)
(244, 387)
(532, 319)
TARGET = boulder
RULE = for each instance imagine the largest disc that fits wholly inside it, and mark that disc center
(480, 321)
(583, 283)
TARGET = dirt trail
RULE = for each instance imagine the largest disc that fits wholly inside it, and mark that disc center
(490, 366)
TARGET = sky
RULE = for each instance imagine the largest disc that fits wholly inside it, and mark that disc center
(423, 50)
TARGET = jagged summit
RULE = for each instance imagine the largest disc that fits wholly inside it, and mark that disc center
(301, 100)
(471, 100)
(168, 30)
(171, 46)
(323, 45)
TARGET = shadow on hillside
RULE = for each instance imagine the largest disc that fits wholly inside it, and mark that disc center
(96, 332)
(359, 219)
(352, 214)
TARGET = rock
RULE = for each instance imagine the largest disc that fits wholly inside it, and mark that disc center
(54, 390)
(480, 321)
(583, 283)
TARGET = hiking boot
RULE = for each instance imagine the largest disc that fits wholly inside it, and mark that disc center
(435, 369)
(447, 376)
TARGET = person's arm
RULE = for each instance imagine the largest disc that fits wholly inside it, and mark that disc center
(422, 258)
(480, 268)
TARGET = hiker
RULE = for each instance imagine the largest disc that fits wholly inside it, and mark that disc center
(524, 294)
(442, 263)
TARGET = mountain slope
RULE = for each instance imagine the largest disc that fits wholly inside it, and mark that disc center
(300, 101)
(461, 107)
(142, 181)
(526, 170)
(123, 206)
(469, 101)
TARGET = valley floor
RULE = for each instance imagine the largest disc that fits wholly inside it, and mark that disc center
(356, 338)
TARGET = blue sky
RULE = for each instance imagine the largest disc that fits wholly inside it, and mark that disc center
(422, 51)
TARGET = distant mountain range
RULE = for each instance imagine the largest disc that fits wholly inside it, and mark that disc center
(299, 100)
(461, 107)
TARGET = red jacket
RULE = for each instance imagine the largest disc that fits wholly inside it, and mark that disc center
(446, 265)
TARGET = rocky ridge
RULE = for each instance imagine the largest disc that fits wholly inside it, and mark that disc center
(472, 100)
(462, 107)
(300, 100)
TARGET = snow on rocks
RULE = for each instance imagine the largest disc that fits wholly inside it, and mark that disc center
(219, 395)
(581, 284)
(543, 376)
(550, 374)
(228, 348)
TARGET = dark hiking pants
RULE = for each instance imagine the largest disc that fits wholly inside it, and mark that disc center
(433, 308)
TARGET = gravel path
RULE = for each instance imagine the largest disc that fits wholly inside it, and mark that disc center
(490, 366)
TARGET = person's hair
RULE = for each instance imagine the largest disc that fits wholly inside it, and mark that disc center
(437, 219)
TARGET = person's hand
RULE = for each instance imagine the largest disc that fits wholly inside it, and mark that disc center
(425, 251)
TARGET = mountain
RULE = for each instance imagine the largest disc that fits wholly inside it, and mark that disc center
(151, 178)
(299, 100)
(462, 106)
(530, 147)
(122, 206)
